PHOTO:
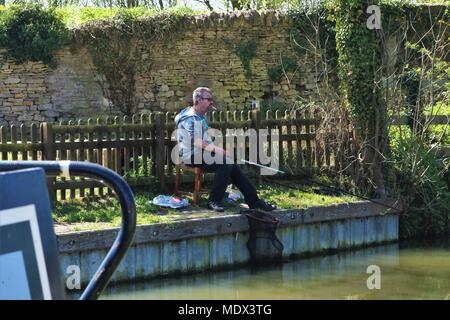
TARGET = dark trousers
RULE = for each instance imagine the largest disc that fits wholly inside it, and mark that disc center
(223, 172)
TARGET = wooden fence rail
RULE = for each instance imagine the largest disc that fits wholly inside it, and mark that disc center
(139, 148)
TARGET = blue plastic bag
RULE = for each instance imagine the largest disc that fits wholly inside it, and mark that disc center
(232, 196)
(170, 202)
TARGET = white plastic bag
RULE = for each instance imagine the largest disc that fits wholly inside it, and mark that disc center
(170, 202)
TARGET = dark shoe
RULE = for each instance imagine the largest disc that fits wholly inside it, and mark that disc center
(263, 205)
(216, 206)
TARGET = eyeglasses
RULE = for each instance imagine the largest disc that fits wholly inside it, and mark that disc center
(209, 99)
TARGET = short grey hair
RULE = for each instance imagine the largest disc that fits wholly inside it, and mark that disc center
(199, 92)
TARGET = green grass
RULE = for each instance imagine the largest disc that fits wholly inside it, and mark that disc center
(75, 16)
(286, 198)
(440, 107)
(106, 212)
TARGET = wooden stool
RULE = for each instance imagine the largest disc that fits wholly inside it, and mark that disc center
(198, 172)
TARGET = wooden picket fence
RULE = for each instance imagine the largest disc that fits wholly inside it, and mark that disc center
(139, 148)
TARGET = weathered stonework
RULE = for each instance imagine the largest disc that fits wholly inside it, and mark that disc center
(169, 71)
(33, 92)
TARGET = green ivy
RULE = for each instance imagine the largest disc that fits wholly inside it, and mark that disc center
(32, 33)
(358, 59)
(246, 51)
(411, 169)
(287, 64)
(112, 44)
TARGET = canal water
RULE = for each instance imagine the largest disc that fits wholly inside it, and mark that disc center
(412, 271)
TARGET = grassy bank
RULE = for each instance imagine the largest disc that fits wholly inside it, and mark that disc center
(77, 215)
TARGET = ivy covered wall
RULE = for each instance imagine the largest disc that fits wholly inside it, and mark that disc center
(126, 67)
(231, 54)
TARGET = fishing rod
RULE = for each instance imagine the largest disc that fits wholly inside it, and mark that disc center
(274, 170)
(261, 166)
(315, 182)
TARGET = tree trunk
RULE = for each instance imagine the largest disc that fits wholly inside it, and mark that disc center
(358, 45)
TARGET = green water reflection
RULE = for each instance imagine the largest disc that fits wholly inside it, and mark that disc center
(406, 273)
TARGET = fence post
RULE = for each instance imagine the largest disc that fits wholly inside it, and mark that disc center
(48, 153)
(3, 141)
(256, 125)
(160, 145)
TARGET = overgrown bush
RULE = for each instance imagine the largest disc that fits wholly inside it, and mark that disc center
(32, 33)
(421, 184)
(112, 44)
(421, 90)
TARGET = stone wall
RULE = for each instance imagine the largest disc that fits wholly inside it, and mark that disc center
(201, 56)
(33, 92)
(204, 56)
(23, 93)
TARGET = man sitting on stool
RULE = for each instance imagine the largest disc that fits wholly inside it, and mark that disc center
(195, 145)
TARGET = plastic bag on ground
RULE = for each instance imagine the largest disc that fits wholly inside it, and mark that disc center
(232, 196)
(169, 201)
